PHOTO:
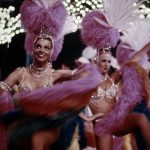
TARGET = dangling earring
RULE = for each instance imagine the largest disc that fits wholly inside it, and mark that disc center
(32, 56)
(51, 55)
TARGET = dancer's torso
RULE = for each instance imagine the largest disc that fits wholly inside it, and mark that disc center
(104, 99)
(29, 83)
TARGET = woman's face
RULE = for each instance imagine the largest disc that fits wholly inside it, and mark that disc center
(42, 50)
(104, 63)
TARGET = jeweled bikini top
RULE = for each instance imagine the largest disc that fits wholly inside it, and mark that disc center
(109, 93)
(23, 86)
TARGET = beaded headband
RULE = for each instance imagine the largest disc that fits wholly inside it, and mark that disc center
(106, 50)
(44, 35)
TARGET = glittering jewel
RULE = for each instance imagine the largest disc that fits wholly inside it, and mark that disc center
(103, 78)
(107, 94)
(39, 72)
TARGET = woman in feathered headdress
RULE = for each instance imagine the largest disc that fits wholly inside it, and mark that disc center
(45, 106)
(101, 30)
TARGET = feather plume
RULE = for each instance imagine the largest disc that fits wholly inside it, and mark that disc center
(124, 53)
(58, 43)
(101, 29)
(34, 17)
(132, 93)
(70, 95)
(114, 63)
(69, 26)
(98, 35)
(138, 34)
(82, 60)
(89, 52)
(49, 3)
(3, 136)
(29, 40)
(6, 103)
(119, 13)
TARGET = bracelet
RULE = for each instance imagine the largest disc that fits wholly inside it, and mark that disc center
(74, 71)
(4, 86)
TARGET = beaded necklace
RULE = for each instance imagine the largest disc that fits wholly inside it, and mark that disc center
(39, 72)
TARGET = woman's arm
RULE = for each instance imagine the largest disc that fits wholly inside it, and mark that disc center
(116, 76)
(90, 118)
(10, 81)
(136, 57)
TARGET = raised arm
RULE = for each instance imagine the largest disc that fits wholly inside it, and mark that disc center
(136, 57)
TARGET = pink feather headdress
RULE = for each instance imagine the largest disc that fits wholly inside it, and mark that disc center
(124, 53)
(100, 29)
(51, 15)
(98, 34)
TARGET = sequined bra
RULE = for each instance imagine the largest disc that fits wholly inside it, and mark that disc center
(23, 86)
(109, 93)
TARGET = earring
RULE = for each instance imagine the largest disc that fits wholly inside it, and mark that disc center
(32, 54)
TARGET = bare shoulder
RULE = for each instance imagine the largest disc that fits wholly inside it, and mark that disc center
(14, 77)
(17, 72)
(116, 76)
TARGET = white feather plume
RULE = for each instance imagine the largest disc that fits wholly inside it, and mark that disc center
(138, 34)
(89, 52)
(45, 3)
(69, 26)
(114, 63)
(120, 12)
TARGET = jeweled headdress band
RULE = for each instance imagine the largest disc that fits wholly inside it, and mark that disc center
(106, 50)
(44, 35)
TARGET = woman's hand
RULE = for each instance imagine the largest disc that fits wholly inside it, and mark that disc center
(91, 118)
(96, 116)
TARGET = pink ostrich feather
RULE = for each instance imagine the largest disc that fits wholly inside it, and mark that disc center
(124, 53)
(132, 92)
(29, 40)
(6, 105)
(96, 32)
(3, 137)
(69, 95)
(34, 17)
(58, 44)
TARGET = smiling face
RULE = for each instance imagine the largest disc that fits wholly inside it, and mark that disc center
(42, 50)
(104, 62)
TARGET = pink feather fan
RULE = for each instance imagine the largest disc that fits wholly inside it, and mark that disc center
(6, 105)
(70, 95)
